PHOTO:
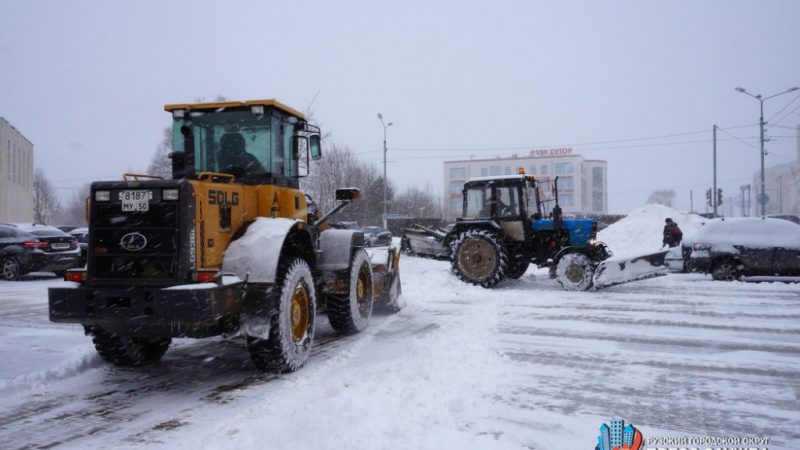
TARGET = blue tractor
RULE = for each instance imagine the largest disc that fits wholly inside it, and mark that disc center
(511, 221)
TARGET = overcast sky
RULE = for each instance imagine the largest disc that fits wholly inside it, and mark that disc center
(86, 81)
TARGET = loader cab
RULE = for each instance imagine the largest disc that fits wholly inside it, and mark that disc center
(258, 142)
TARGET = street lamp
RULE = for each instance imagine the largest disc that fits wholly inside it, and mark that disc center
(762, 198)
(385, 126)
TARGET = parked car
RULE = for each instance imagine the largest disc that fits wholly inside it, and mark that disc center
(377, 236)
(26, 248)
(82, 235)
(747, 246)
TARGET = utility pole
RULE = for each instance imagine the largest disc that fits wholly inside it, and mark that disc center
(714, 198)
(385, 126)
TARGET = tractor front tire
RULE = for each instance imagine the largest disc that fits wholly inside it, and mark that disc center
(479, 258)
(128, 351)
(291, 331)
(575, 272)
(349, 315)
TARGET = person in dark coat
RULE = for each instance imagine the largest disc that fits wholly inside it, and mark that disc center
(672, 234)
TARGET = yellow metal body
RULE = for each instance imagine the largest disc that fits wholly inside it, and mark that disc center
(246, 203)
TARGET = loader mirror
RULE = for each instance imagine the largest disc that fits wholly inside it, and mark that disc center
(314, 144)
(348, 194)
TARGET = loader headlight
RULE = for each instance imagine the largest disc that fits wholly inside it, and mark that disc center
(102, 196)
(169, 194)
(178, 113)
(258, 110)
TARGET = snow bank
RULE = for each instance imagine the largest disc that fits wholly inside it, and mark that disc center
(641, 231)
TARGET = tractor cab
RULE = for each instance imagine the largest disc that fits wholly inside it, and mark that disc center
(258, 142)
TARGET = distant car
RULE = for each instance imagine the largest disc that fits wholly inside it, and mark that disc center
(82, 235)
(377, 236)
(747, 246)
(26, 248)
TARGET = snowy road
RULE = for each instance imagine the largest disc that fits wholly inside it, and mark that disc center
(526, 365)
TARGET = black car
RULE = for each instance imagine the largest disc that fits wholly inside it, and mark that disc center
(377, 236)
(26, 248)
(82, 235)
(747, 246)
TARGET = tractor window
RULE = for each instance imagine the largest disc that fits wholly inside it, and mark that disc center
(507, 202)
(477, 201)
(235, 142)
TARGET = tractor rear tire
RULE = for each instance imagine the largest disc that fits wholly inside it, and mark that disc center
(291, 331)
(575, 272)
(128, 351)
(479, 258)
(349, 315)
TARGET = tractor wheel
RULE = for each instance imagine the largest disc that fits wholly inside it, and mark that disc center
(127, 351)
(351, 314)
(725, 271)
(291, 331)
(479, 258)
(575, 271)
(518, 269)
(10, 269)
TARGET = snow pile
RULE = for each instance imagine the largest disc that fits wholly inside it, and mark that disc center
(642, 231)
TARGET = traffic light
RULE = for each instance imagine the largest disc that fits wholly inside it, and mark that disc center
(708, 196)
(719, 196)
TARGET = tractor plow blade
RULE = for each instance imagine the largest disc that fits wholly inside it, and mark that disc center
(613, 272)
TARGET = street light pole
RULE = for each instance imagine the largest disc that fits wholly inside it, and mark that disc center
(762, 199)
(385, 126)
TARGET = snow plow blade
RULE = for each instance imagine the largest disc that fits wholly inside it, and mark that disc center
(612, 272)
(386, 278)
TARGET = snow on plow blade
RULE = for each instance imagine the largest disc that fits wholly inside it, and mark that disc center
(613, 272)
(386, 277)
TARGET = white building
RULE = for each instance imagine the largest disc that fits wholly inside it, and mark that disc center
(582, 183)
(16, 175)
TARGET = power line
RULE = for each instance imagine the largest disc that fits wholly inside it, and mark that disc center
(787, 115)
(784, 108)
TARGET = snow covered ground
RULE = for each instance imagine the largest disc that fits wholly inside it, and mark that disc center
(525, 365)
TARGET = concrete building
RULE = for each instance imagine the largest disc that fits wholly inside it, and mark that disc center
(16, 175)
(582, 183)
(782, 186)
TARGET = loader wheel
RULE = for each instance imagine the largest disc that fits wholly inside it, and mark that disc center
(725, 271)
(291, 331)
(10, 269)
(575, 271)
(127, 351)
(351, 314)
(479, 258)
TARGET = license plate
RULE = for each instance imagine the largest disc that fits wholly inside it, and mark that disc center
(59, 245)
(135, 200)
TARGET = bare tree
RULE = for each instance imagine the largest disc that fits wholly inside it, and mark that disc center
(416, 202)
(73, 212)
(160, 164)
(45, 201)
(662, 197)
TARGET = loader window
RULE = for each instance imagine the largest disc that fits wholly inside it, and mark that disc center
(235, 142)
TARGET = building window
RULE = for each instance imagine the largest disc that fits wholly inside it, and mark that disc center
(455, 206)
(532, 170)
(459, 173)
(597, 189)
(508, 170)
(566, 183)
(456, 187)
(566, 199)
(484, 172)
(543, 170)
(494, 170)
(563, 167)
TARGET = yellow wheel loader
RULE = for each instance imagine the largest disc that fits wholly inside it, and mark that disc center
(229, 246)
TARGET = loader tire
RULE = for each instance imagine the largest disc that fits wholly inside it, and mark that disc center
(575, 272)
(291, 331)
(349, 315)
(128, 351)
(479, 258)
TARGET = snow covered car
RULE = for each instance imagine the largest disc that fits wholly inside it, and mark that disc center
(26, 248)
(747, 246)
(377, 236)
